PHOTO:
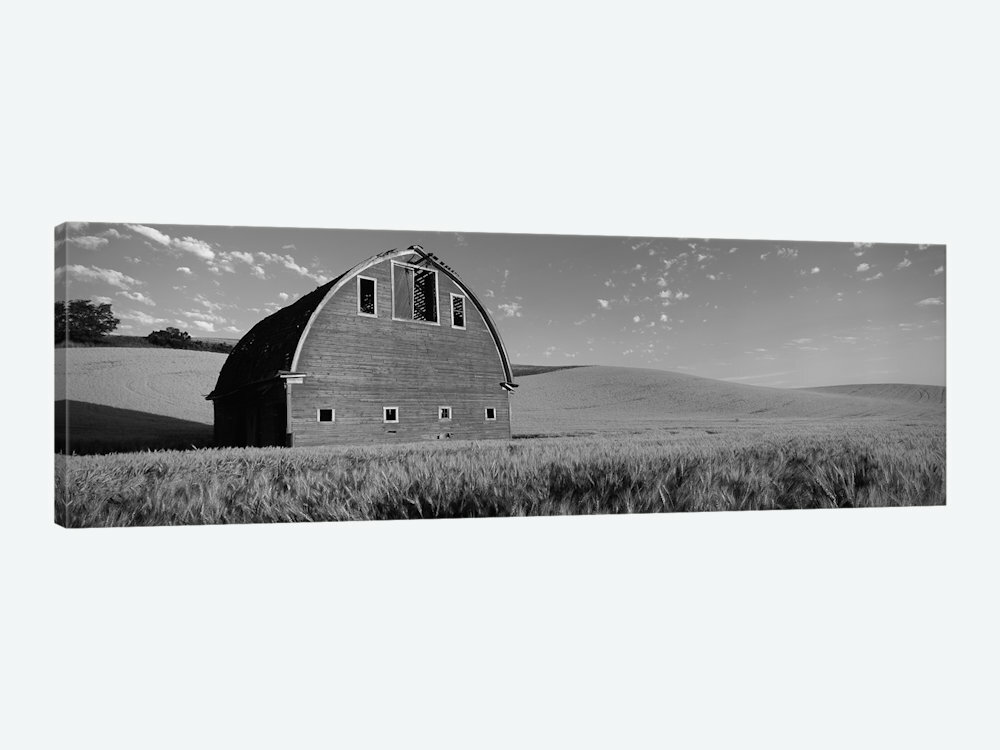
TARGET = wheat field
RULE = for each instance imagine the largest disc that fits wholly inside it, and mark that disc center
(792, 466)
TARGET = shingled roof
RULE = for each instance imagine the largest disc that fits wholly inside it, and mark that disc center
(268, 348)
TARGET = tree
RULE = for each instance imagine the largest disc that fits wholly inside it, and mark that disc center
(84, 321)
(172, 337)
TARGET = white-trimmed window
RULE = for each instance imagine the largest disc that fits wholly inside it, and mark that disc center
(367, 296)
(326, 415)
(458, 311)
(414, 293)
(491, 414)
(390, 414)
(444, 413)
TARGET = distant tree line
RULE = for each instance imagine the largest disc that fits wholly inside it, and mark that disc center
(178, 339)
(81, 321)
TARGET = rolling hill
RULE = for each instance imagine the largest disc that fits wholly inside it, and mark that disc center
(922, 394)
(155, 398)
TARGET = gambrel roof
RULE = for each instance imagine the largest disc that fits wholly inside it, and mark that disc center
(271, 348)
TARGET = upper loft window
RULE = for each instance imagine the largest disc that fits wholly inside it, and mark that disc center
(457, 311)
(367, 298)
(414, 293)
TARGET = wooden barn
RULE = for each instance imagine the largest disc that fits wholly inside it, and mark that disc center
(398, 348)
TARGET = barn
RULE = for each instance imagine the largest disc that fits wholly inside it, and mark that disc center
(398, 348)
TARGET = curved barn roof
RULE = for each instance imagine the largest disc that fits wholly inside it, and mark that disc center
(271, 348)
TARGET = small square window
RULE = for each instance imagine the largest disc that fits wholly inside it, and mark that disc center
(390, 414)
(326, 415)
(444, 413)
(491, 414)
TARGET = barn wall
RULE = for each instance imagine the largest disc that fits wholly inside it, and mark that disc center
(357, 365)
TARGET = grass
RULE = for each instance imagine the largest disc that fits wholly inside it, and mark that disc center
(864, 464)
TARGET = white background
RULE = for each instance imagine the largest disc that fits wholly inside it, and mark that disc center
(868, 121)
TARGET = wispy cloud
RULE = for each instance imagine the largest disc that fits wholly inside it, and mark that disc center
(510, 309)
(137, 297)
(94, 273)
(192, 245)
(862, 267)
(87, 242)
(875, 277)
(938, 271)
(930, 302)
(904, 263)
(140, 317)
(289, 262)
(787, 252)
(184, 270)
(604, 303)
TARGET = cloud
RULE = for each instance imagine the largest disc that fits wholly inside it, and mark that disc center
(787, 252)
(681, 295)
(664, 318)
(196, 315)
(488, 293)
(510, 310)
(103, 300)
(763, 256)
(137, 297)
(283, 296)
(876, 277)
(666, 294)
(904, 263)
(154, 234)
(636, 318)
(862, 245)
(185, 244)
(711, 277)
(258, 271)
(930, 302)
(94, 273)
(862, 267)
(702, 256)
(733, 249)
(605, 304)
(205, 326)
(245, 257)
(289, 262)
(88, 242)
(938, 271)
(801, 341)
(113, 234)
(185, 270)
(140, 317)
(815, 270)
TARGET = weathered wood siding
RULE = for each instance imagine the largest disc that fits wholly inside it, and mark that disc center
(357, 365)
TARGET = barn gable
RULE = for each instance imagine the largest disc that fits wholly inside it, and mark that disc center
(399, 331)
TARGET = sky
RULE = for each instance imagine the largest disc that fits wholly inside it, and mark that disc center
(773, 313)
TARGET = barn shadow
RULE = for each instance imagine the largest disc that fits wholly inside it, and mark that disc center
(95, 428)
